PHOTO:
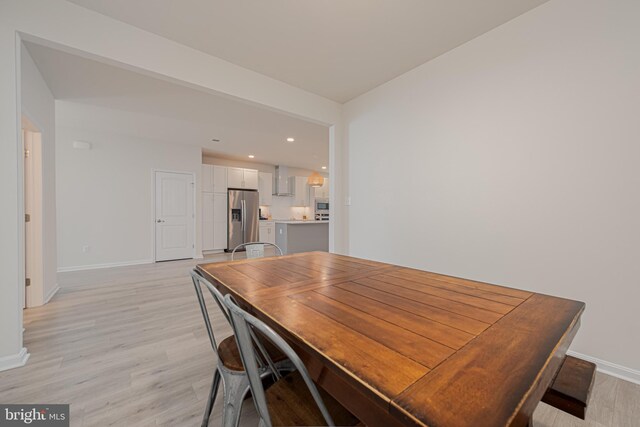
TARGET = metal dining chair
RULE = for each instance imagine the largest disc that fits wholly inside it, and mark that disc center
(255, 249)
(229, 368)
(293, 399)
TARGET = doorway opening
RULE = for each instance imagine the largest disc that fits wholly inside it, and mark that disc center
(33, 288)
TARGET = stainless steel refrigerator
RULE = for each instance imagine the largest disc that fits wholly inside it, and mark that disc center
(242, 217)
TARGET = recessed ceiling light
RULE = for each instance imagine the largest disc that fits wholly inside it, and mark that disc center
(324, 167)
(251, 156)
(291, 140)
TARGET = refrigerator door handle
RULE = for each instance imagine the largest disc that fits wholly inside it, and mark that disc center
(243, 215)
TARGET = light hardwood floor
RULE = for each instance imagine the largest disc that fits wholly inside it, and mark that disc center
(126, 346)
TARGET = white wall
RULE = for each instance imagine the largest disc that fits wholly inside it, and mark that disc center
(78, 30)
(38, 106)
(513, 159)
(12, 352)
(105, 195)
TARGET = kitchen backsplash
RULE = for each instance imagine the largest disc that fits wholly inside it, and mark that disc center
(281, 209)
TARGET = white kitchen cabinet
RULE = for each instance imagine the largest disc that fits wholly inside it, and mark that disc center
(268, 232)
(219, 220)
(214, 179)
(214, 221)
(265, 188)
(301, 192)
(251, 179)
(242, 178)
(235, 178)
(219, 179)
(207, 222)
(207, 179)
(322, 192)
(214, 206)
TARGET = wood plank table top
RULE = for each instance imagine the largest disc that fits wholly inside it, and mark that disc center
(399, 346)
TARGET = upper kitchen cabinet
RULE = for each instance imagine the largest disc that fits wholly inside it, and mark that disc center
(242, 178)
(235, 178)
(207, 178)
(265, 188)
(251, 179)
(322, 192)
(220, 179)
(301, 192)
(214, 179)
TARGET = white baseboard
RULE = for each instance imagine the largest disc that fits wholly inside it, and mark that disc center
(106, 265)
(51, 293)
(14, 360)
(613, 369)
(213, 251)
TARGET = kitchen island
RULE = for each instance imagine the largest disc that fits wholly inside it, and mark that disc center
(302, 236)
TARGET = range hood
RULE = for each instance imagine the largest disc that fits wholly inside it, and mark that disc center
(283, 184)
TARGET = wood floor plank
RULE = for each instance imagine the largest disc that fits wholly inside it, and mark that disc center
(603, 399)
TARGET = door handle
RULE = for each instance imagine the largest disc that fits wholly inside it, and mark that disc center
(160, 220)
(243, 207)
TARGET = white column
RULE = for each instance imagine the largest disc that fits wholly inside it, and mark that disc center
(12, 208)
(339, 191)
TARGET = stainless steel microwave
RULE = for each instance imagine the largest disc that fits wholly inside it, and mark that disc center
(322, 205)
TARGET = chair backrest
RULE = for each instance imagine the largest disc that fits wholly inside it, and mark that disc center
(263, 360)
(255, 249)
(198, 281)
(243, 323)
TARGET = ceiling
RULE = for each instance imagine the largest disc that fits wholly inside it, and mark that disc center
(338, 49)
(126, 102)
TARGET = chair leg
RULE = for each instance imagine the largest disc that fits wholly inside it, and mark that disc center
(235, 389)
(212, 398)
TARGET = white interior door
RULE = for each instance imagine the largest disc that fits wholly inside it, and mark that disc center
(174, 216)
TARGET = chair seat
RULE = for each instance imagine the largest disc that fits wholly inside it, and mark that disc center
(230, 355)
(291, 404)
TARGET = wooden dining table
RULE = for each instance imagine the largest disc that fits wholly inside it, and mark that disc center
(404, 347)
